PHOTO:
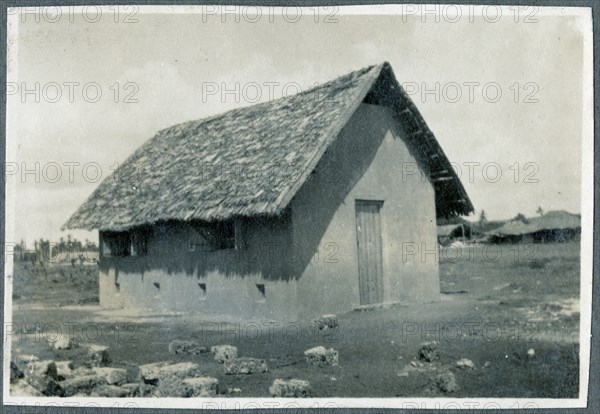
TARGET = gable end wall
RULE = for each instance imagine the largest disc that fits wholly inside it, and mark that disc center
(366, 162)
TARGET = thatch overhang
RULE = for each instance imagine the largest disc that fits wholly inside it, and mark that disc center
(251, 161)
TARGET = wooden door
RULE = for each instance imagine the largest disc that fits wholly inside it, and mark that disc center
(368, 239)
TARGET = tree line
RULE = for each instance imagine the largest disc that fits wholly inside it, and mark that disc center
(44, 249)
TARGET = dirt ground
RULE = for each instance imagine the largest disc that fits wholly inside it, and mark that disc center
(498, 302)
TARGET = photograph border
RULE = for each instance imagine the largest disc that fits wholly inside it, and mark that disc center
(589, 211)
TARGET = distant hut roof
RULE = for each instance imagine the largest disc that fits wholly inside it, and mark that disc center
(252, 160)
(552, 220)
(448, 230)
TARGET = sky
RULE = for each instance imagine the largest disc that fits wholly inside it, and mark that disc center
(503, 98)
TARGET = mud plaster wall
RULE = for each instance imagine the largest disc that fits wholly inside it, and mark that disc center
(365, 163)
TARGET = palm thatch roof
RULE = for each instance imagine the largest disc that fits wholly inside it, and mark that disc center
(252, 160)
(552, 220)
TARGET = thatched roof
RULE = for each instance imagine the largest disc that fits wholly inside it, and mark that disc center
(552, 220)
(252, 160)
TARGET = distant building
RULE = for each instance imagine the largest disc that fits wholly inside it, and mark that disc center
(451, 232)
(552, 227)
(306, 213)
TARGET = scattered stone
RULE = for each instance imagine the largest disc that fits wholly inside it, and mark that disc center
(64, 368)
(224, 352)
(21, 388)
(64, 342)
(200, 387)
(111, 391)
(157, 372)
(170, 386)
(112, 376)
(465, 363)
(176, 387)
(15, 373)
(325, 322)
(78, 372)
(321, 357)
(293, 388)
(416, 364)
(245, 365)
(98, 355)
(445, 382)
(234, 390)
(186, 347)
(151, 373)
(487, 364)
(58, 370)
(45, 385)
(83, 384)
(428, 351)
(531, 353)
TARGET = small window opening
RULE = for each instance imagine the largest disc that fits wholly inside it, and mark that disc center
(139, 243)
(157, 286)
(118, 286)
(226, 235)
(123, 243)
(223, 235)
(202, 287)
(115, 244)
(262, 291)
